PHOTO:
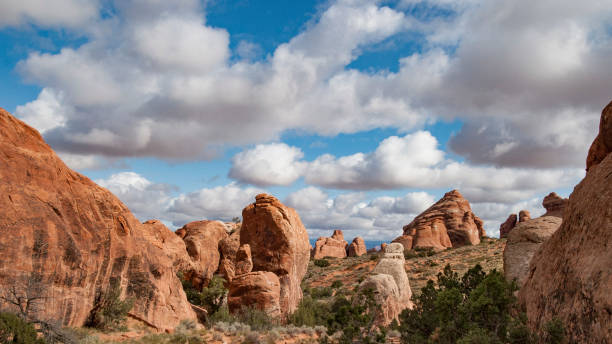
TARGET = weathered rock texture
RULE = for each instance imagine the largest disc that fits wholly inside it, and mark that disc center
(523, 242)
(448, 223)
(392, 294)
(202, 241)
(602, 145)
(74, 238)
(334, 246)
(507, 226)
(357, 247)
(228, 248)
(524, 215)
(173, 246)
(260, 289)
(244, 263)
(570, 276)
(405, 240)
(279, 244)
(554, 205)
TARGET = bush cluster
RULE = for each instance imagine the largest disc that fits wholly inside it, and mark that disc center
(210, 297)
(419, 252)
(322, 263)
(13, 329)
(109, 311)
(476, 308)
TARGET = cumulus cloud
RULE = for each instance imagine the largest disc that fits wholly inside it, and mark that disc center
(381, 217)
(265, 165)
(48, 13)
(411, 161)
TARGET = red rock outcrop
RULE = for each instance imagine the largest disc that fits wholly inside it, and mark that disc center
(244, 263)
(523, 242)
(173, 246)
(448, 223)
(391, 294)
(602, 145)
(279, 244)
(228, 248)
(507, 226)
(260, 289)
(74, 238)
(554, 205)
(405, 240)
(524, 215)
(334, 247)
(357, 248)
(570, 276)
(202, 241)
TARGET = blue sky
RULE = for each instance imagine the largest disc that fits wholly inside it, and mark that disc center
(358, 113)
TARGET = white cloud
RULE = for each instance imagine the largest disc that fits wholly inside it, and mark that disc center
(48, 13)
(265, 165)
(377, 219)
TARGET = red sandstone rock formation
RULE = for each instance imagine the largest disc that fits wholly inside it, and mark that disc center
(570, 276)
(202, 241)
(73, 237)
(448, 223)
(244, 263)
(228, 248)
(524, 215)
(279, 244)
(507, 226)
(554, 205)
(173, 246)
(357, 248)
(602, 145)
(334, 247)
(260, 289)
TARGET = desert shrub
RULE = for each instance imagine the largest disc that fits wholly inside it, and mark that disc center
(374, 257)
(210, 297)
(322, 263)
(476, 308)
(336, 284)
(310, 313)
(109, 311)
(409, 254)
(425, 251)
(221, 315)
(554, 332)
(257, 319)
(319, 292)
(13, 329)
(251, 338)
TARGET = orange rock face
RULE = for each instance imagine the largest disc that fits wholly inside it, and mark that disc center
(260, 289)
(279, 244)
(507, 226)
(570, 276)
(602, 145)
(228, 248)
(448, 223)
(554, 205)
(357, 248)
(244, 263)
(74, 237)
(202, 241)
(524, 215)
(334, 247)
(405, 240)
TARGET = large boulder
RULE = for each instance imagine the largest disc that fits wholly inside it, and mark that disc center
(73, 239)
(334, 246)
(173, 246)
(523, 242)
(448, 223)
(279, 244)
(392, 294)
(259, 289)
(202, 241)
(524, 215)
(357, 248)
(508, 225)
(570, 276)
(228, 248)
(602, 145)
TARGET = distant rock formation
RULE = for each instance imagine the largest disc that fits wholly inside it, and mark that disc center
(448, 223)
(507, 226)
(602, 145)
(570, 276)
(357, 248)
(279, 244)
(390, 284)
(202, 241)
(74, 239)
(554, 205)
(334, 247)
